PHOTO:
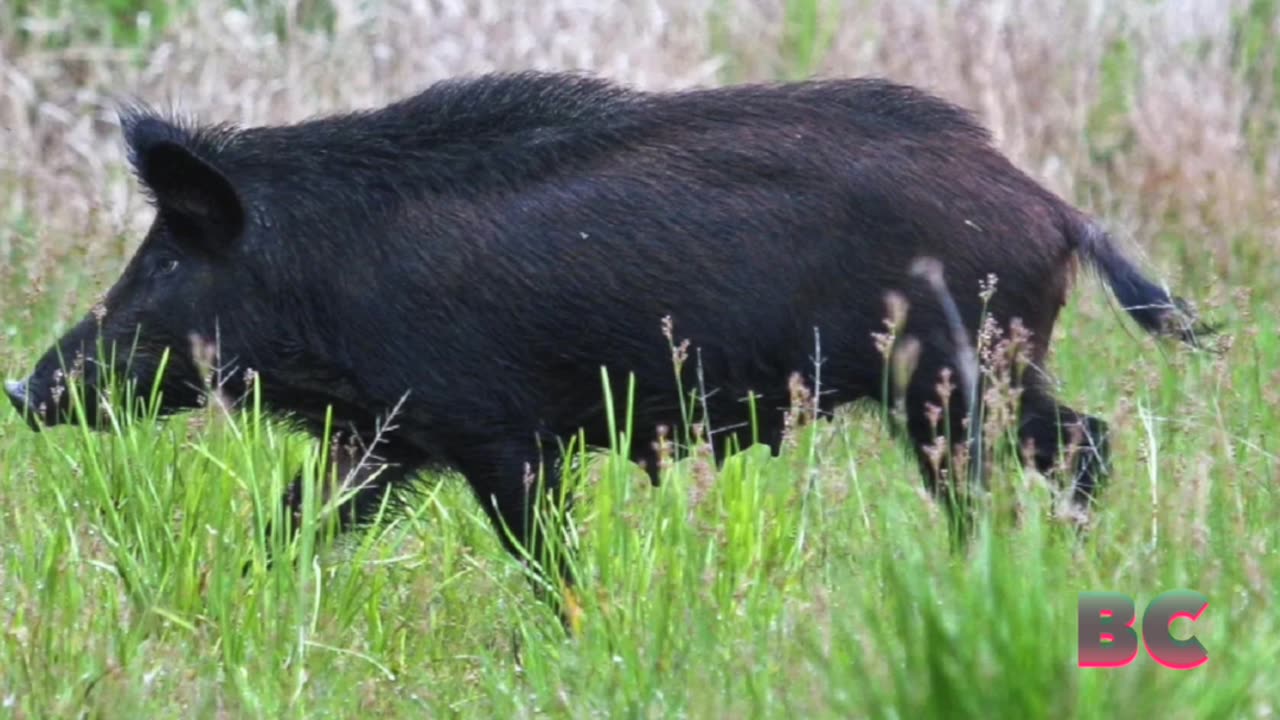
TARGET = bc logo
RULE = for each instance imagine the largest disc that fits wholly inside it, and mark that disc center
(1107, 638)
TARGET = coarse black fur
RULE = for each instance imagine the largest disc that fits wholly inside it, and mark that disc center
(482, 249)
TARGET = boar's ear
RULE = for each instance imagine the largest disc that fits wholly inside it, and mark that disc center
(198, 202)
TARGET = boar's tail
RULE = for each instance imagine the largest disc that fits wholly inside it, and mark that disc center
(1151, 306)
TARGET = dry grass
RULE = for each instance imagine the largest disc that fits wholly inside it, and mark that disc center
(1031, 68)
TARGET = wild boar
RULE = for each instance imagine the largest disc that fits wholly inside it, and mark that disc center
(476, 253)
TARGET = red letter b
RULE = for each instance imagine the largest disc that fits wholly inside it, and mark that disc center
(1106, 635)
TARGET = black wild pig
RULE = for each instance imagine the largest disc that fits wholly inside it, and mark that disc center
(486, 246)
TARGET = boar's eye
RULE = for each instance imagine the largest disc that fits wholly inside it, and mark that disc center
(166, 266)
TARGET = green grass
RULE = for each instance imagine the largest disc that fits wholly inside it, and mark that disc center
(116, 23)
(808, 30)
(139, 24)
(817, 584)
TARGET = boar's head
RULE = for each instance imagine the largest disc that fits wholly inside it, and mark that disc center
(185, 275)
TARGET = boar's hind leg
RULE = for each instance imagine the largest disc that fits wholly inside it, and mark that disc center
(1055, 432)
(934, 433)
(1052, 432)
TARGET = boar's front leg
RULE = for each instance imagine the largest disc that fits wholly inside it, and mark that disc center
(518, 484)
(363, 481)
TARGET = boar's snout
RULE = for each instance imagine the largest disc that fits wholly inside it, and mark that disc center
(20, 396)
(17, 392)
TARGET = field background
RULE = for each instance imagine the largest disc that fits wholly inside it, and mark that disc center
(818, 584)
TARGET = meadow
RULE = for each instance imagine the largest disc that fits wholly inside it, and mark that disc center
(821, 583)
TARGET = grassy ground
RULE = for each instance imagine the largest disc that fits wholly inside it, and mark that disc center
(817, 584)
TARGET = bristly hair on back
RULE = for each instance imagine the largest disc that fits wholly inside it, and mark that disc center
(499, 131)
(445, 137)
